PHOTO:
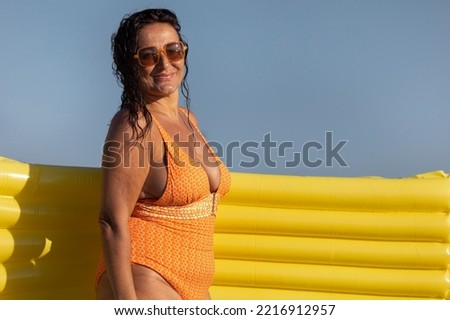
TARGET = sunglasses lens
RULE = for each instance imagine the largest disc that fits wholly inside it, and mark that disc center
(148, 56)
(175, 51)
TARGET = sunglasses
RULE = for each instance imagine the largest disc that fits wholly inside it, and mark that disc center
(148, 57)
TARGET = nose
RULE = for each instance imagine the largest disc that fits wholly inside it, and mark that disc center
(163, 60)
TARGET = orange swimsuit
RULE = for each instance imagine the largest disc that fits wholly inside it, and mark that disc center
(173, 235)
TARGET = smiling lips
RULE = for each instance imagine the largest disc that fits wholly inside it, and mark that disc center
(163, 76)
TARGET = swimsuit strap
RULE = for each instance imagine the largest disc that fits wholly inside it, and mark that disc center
(202, 136)
(167, 138)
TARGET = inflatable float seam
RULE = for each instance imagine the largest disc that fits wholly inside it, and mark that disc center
(278, 294)
(335, 208)
(338, 236)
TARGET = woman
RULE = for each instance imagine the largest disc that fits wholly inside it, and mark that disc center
(161, 180)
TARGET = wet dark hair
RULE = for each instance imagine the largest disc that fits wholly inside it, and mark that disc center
(124, 44)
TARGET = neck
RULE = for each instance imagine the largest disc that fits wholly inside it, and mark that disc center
(167, 105)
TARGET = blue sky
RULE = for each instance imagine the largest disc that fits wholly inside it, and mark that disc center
(369, 78)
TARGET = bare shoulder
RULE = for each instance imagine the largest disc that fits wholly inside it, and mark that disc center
(120, 123)
(121, 116)
(120, 126)
(122, 148)
(122, 133)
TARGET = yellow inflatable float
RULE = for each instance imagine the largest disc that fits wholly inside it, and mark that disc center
(277, 237)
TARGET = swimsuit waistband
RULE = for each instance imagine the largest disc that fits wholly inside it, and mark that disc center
(202, 208)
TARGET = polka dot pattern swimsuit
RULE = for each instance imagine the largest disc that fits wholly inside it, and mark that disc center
(173, 235)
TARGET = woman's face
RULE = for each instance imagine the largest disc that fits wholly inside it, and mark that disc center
(164, 78)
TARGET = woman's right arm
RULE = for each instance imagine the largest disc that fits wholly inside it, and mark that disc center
(123, 175)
